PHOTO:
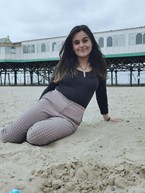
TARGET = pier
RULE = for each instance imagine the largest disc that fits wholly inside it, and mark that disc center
(32, 62)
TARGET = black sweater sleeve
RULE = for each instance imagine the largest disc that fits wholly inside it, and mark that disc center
(50, 87)
(101, 96)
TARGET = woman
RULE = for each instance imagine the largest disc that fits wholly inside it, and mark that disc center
(80, 72)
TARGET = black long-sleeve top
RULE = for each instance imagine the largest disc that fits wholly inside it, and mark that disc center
(80, 89)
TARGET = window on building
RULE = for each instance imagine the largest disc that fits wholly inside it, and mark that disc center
(8, 50)
(101, 42)
(121, 40)
(28, 49)
(54, 48)
(139, 38)
(43, 48)
(32, 48)
(109, 41)
(13, 50)
(115, 41)
(131, 39)
(24, 49)
(144, 38)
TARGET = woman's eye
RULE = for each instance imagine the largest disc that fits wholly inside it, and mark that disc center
(84, 41)
(76, 43)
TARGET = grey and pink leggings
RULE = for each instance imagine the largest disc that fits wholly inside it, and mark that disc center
(52, 118)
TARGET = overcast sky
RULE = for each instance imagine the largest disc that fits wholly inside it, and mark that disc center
(36, 19)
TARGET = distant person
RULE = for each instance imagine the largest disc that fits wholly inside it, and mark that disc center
(79, 74)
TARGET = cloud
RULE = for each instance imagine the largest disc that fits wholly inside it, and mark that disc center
(25, 19)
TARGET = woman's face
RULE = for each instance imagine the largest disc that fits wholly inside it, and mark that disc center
(82, 44)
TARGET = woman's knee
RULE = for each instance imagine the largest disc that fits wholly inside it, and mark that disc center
(36, 135)
(33, 137)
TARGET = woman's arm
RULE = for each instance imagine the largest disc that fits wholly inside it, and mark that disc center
(102, 100)
(101, 95)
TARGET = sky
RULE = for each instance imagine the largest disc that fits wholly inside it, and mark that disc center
(37, 19)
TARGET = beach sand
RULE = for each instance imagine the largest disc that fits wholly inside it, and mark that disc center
(100, 157)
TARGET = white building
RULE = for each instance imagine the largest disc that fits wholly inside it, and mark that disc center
(114, 43)
(18, 59)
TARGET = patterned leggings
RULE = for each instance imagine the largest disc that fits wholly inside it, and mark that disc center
(52, 118)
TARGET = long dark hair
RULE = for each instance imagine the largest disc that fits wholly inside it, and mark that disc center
(68, 58)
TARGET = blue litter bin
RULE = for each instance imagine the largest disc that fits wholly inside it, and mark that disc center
(15, 191)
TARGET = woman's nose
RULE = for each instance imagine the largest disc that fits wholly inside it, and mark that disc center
(81, 44)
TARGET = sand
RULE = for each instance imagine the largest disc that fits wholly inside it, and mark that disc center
(101, 157)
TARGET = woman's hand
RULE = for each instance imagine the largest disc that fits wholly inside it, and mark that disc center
(115, 119)
(108, 118)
